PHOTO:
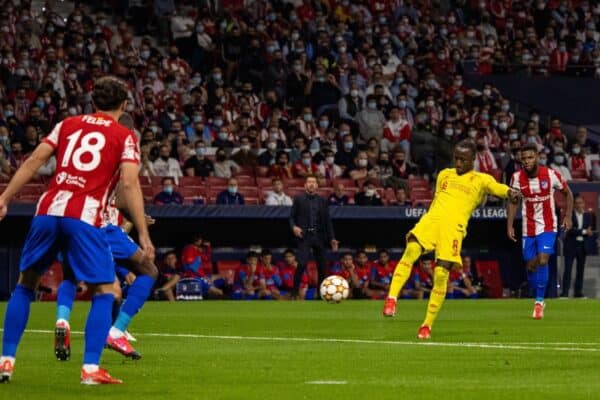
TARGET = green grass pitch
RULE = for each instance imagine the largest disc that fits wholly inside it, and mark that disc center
(481, 349)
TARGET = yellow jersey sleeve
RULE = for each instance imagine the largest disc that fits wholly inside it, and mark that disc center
(495, 188)
(439, 180)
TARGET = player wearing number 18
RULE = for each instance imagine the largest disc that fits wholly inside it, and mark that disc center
(93, 154)
(442, 229)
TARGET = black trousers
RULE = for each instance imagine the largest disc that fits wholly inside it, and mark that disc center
(579, 256)
(310, 241)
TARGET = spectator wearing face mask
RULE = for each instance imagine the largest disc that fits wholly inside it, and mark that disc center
(166, 165)
(402, 169)
(327, 168)
(370, 121)
(268, 157)
(577, 160)
(305, 165)
(350, 104)
(230, 196)
(559, 163)
(224, 167)
(384, 171)
(362, 169)
(346, 155)
(445, 147)
(245, 157)
(199, 165)
(484, 158)
(168, 195)
(368, 196)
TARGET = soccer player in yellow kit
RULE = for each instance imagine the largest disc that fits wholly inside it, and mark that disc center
(458, 192)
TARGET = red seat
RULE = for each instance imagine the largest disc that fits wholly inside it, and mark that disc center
(415, 183)
(28, 198)
(251, 201)
(191, 181)
(294, 182)
(213, 192)
(151, 180)
(313, 273)
(223, 266)
(245, 180)
(294, 191)
(214, 181)
(32, 189)
(591, 200)
(560, 200)
(191, 191)
(264, 182)
(246, 170)
(347, 182)
(579, 174)
(262, 171)
(248, 191)
(148, 193)
(489, 273)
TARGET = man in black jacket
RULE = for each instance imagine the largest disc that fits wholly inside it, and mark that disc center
(579, 241)
(311, 225)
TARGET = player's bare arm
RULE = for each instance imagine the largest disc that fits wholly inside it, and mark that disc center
(134, 203)
(39, 157)
(510, 219)
(567, 222)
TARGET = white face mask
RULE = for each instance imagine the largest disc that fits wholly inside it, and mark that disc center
(271, 146)
(370, 192)
(362, 163)
(329, 160)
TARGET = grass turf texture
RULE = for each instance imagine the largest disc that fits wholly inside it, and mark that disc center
(234, 368)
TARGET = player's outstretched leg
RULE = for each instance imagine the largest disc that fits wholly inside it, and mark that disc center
(401, 274)
(436, 299)
(65, 297)
(15, 320)
(138, 293)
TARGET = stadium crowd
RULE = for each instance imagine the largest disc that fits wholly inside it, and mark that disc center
(264, 275)
(366, 95)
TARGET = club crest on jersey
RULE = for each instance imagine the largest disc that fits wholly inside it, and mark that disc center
(60, 178)
(544, 184)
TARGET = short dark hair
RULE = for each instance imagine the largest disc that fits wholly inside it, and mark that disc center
(109, 93)
(167, 178)
(311, 176)
(251, 254)
(265, 252)
(529, 147)
(382, 251)
(467, 144)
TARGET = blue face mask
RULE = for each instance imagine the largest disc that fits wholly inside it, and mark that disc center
(40, 103)
(168, 189)
(306, 161)
(348, 145)
(8, 113)
(232, 189)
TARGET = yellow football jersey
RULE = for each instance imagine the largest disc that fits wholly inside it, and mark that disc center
(456, 196)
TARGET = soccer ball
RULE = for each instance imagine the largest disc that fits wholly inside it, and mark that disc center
(334, 289)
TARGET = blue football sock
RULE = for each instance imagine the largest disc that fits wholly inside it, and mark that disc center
(15, 319)
(65, 296)
(137, 296)
(96, 327)
(116, 309)
(542, 282)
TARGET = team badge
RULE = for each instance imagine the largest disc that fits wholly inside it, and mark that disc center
(544, 185)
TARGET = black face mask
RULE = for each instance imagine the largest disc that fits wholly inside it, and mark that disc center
(246, 114)
(170, 108)
(399, 162)
(282, 163)
(384, 163)
(480, 147)
(165, 158)
(514, 151)
(221, 157)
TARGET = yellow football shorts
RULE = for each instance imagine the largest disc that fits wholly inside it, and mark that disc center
(440, 236)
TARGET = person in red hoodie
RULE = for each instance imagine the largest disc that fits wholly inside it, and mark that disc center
(305, 165)
(396, 131)
(559, 58)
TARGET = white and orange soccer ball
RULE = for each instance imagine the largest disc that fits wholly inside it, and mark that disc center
(334, 289)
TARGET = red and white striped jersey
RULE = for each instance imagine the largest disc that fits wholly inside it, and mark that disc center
(539, 209)
(89, 150)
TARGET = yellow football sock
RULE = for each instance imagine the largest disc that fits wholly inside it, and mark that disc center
(438, 294)
(403, 269)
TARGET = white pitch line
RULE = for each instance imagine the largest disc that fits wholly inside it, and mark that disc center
(535, 346)
(326, 382)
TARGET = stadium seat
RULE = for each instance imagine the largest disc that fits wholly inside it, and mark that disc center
(293, 182)
(214, 181)
(246, 170)
(489, 273)
(579, 174)
(32, 189)
(191, 191)
(148, 193)
(190, 181)
(245, 180)
(264, 182)
(294, 191)
(591, 200)
(212, 193)
(347, 182)
(313, 274)
(497, 174)
(324, 192)
(224, 266)
(262, 171)
(560, 200)
(251, 201)
(418, 183)
(24, 198)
